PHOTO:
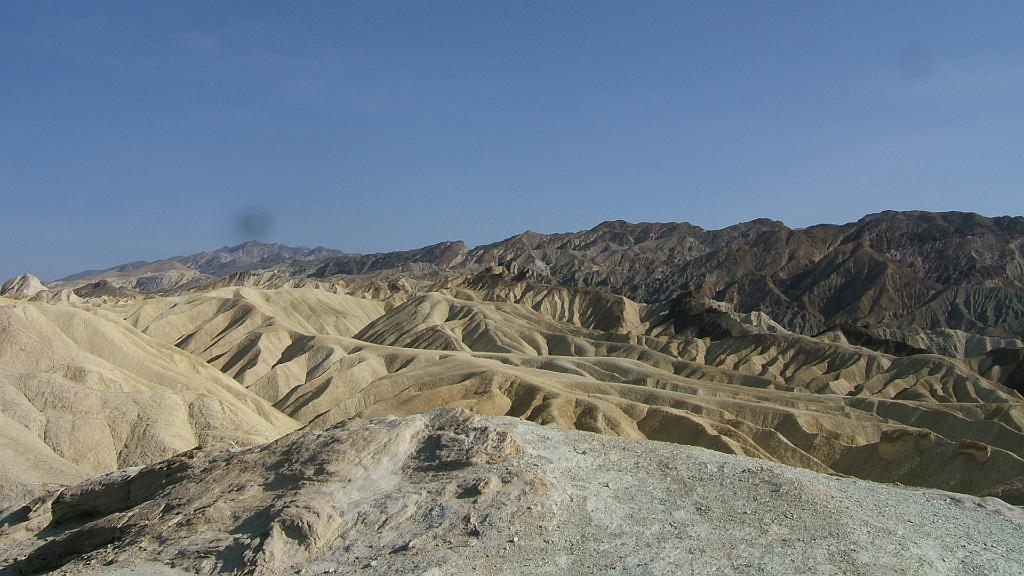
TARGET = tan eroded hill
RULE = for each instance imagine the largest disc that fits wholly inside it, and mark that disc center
(20, 287)
(242, 330)
(924, 420)
(83, 393)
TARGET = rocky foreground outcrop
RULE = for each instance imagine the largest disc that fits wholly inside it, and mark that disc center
(448, 492)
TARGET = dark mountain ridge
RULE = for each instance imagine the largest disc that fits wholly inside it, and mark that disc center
(901, 269)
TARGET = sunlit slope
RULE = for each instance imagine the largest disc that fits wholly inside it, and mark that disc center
(83, 393)
(321, 357)
(244, 331)
(790, 362)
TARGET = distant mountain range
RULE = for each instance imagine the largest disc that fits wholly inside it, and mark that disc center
(892, 269)
(888, 349)
(160, 275)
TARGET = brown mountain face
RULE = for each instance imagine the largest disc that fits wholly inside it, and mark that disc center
(443, 255)
(901, 270)
(934, 270)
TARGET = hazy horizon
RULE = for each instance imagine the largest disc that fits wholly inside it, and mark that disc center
(142, 131)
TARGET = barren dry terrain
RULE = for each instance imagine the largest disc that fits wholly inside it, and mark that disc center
(259, 409)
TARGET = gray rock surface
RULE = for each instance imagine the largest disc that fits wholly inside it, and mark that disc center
(451, 493)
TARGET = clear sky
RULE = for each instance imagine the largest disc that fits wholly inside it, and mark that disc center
(139, 130)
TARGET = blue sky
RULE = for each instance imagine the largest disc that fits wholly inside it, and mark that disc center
(139, 130)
